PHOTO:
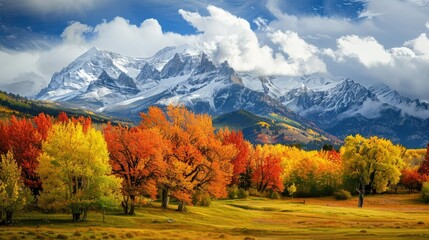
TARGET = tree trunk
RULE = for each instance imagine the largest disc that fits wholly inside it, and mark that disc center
(360, 204)
(85, 214)
(165, 198)
(131, 212)
(9, 217)
(124, 205)
(181, 207)
(76, 217)
(361, 192)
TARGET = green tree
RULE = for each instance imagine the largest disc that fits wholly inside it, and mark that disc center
(13, 193)
(372, 164)
(75, 171)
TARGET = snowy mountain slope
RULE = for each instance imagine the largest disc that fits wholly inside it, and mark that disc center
(76, 77)
(112, 84)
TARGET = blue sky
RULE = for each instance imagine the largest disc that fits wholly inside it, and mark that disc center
(372, 41)
(52, 21)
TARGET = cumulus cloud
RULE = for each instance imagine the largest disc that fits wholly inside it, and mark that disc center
(404, 68)
(299, 51)
(420, 45)
(389, 21)
(119, 35)
(365, 49)
(74, 33)
(226, 37)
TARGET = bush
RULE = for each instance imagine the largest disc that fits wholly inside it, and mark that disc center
(201, 199)
(235, 192)
(232, 192)
(425, 192)
(242, 193)
(254, 193)
(342, 195)
(273, 195)
(291, 189)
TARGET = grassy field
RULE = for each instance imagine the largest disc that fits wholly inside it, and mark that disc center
(383, 217)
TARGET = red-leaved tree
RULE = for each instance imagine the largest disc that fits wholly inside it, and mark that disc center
(20, 137)
(242, 161)
(424, 166)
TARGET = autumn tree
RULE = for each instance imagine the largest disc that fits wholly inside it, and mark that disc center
(14, 195)
(136, 156)
(424, 166)
(411, 179)
(268, 171)
(196, 159)
(62, 117)
(43, 124)
(373, 163)
(242, 162)
(315, 173)
(75, 171)
(22, 138)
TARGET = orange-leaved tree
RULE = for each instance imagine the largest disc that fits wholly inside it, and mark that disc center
(242, 161)
(136, 156)
(196, 158)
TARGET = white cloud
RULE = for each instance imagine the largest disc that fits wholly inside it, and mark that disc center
(404, 68)
(34, 68)
(391, 22)
(366, 50)
(226, 37)
(261, 23)
(119, 35)
(420, 45)
(74, 33)
(386, 44)
(299, 51)
(419, 2)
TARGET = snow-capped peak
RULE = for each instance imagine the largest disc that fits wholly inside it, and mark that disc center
(163, 56)
(85, 69)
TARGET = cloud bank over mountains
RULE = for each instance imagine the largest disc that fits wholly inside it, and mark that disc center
(388, 43)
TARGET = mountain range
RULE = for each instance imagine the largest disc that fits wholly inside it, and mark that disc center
(332, 107)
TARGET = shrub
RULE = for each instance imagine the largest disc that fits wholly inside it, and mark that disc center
(201, 199)
(242, 193)
(291, 189)
(273, 195)
(254, 193)
(342, 195)
(425, 192)
(233, 192)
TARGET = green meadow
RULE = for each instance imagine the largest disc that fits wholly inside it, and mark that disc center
(395, 216)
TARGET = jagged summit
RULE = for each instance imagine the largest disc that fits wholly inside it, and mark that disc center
(117, 85)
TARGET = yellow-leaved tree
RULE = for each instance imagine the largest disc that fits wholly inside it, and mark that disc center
(13, 193)
(75, 171)
(371, 163)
